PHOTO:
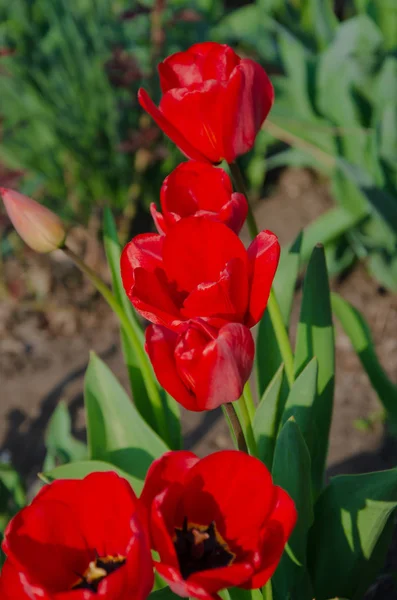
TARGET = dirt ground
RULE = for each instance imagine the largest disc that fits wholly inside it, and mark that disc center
(53, 318)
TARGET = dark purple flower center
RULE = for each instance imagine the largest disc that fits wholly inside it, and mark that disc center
(200, 548)
(97, 570)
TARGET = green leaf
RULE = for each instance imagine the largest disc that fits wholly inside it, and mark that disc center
(357, 329)
(267, 419)
(315, 338)
(113, 252)
(80, 469)
(352, 528)
(116, 431)
(163, 594)
(138, 388)
(300, 403)
(12, 495)
(286, 276)
(61, 446)
(292, 471)
(268, 357)
(236, 593)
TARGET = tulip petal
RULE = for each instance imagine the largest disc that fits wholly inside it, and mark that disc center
(14, 585)
(158, 219)
(250, 96)
(160, 346)
(197, 250)
(226, 298)
(205, 60)
(170, 468)
(214, 580)
(169, 128)
(274, 537)
(198, 112)
(234, 212)
(221, 486)
(180, 586)
(263, 256)
(225, 367)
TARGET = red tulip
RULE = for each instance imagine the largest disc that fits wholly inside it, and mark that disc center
(79, 539)
(199, 269)
(198, 189)
(217, 522)
(213, 102)
(201, 367)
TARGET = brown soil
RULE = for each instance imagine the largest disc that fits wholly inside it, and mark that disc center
(52, 318)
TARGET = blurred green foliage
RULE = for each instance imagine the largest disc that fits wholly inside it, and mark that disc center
(69, 74)
(335, 111)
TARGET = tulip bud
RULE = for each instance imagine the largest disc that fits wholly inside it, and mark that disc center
(40, 228)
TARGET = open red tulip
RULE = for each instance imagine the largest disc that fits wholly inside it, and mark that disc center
(213, 102)
(217, 522)
(199, 189)
(202, 367)
(199, 269)
(79, 540)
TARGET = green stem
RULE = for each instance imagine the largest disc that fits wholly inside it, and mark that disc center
(247, 425)
(267, 591)
(235, 426)
(144, 363)
(272, 305)
(240, 187)
(249, 400)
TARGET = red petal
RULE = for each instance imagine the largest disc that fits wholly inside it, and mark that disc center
(190, 262)
(170, 468)
(160, 346)
(216, 61)
(263, 255)
(214, 580)
(169, 128)
(226, 298)
(273, 538)
(142, 251)
(250, 97)
(207, 60)
(144, 280)
(197, 112)
(234, 212)
(225, 367)
(158, 219)
(48, 554)
(220, 487)
(164, 517)
(15, 586)
(180, 586)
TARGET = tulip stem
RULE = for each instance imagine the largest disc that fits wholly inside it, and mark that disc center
(273, 306)
(247, 424)
(143, 361)
(267, 591)
(235, 426)
(239, 184)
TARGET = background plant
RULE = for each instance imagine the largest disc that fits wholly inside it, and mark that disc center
(335, 112)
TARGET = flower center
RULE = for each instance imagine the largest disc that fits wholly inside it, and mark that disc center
(199, 548)
(97, 570)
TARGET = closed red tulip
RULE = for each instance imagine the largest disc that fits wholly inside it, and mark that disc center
(199, 269)
(199, 189)
(79, 540)
(217, 522)
(213, 102)
(201, 367)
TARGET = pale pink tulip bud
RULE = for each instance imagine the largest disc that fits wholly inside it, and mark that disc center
(40, 228)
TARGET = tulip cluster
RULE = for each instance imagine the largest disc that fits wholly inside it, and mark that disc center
(81, 539)
(194, 280)
(213, 523)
